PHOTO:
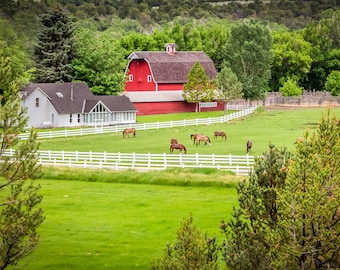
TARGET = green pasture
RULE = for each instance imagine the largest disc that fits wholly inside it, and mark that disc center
(105, 225)
(278, 127)
(99, 219)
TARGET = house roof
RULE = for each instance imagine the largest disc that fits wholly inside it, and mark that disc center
(113, 103)
(69, 98)
(175, 67)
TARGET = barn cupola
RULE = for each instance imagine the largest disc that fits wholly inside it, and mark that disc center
(170, 48)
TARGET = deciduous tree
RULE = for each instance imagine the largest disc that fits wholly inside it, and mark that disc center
(229, 86)
(199, 88)
(249, 53)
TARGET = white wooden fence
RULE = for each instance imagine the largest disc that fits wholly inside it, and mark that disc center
(240, 165)
(142, 126)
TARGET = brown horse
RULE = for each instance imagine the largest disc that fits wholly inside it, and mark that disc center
(127, 131)
(202, 138)
(221, 134)
(249, 146)
(177, 146)
(173, 141)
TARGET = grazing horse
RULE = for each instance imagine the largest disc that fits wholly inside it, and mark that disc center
(202, 138)
(173, 141)
(127, 131)
(221, 134)
(177, 146)
(249, 145)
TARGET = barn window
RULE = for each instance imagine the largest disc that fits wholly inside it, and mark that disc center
(70, 118)
(149, 78)
(37, 102)
(130, 78)
(78, 117)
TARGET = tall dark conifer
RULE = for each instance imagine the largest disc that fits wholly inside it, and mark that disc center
(55, 48)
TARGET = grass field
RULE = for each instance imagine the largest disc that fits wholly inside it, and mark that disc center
(96, 225)
(123, 220)
(278, 127)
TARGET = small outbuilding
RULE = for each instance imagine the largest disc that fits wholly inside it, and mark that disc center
(72, 105)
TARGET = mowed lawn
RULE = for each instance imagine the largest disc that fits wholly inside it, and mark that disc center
(111, 225)
(278, 127)
(120, 226)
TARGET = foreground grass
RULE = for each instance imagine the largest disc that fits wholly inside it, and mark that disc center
(98, 223)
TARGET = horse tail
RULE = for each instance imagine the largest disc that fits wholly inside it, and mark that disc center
(124, 133)
(185, 150)
(134, 133)
(191, 136)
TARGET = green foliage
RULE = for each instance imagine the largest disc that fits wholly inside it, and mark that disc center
(248, 53)
(55, 49)
(19, 198)
(309, 207)
(191, 251)
(292, 58)
(228, 85)
(247, 232)
(290, 88)
(100, 62)
(198, 88)
(333, 83)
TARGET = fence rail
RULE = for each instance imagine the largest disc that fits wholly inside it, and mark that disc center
(139, 126)
(240, 165)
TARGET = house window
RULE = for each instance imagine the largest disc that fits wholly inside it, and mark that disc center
(130, 78)
(78, 117)
(37, 102)
(149, 78)
(70, 118)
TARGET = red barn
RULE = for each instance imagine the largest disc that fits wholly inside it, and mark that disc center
(155, 79)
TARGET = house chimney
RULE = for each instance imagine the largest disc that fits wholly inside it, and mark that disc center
(72, 92)
(170, 48)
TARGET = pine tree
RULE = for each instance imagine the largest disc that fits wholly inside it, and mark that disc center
(248, 244)
(20, 215)
(191, 251)
(309, 207)
(55, 48)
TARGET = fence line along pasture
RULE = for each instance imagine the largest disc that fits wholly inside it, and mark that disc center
(240, 165)
(139, 126)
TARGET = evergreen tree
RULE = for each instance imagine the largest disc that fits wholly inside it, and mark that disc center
(55, 48)
(19, 198)
(247, 244)
(191, 251)
(309, 206)
(198, 88)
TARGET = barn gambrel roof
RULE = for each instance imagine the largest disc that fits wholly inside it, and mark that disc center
(174, 68)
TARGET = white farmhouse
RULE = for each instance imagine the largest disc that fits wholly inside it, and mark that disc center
(72, 105)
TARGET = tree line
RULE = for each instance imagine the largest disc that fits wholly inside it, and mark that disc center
(265, 56)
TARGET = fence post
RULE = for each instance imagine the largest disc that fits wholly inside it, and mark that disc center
(149, 160)
(230, 160)
(213, 159)
(105, 156)
(196, 158)
(180, 158)
(70, 162)
(62, 155)
(84, 163)
(77, 156)
(90, 153)
(164, 158)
